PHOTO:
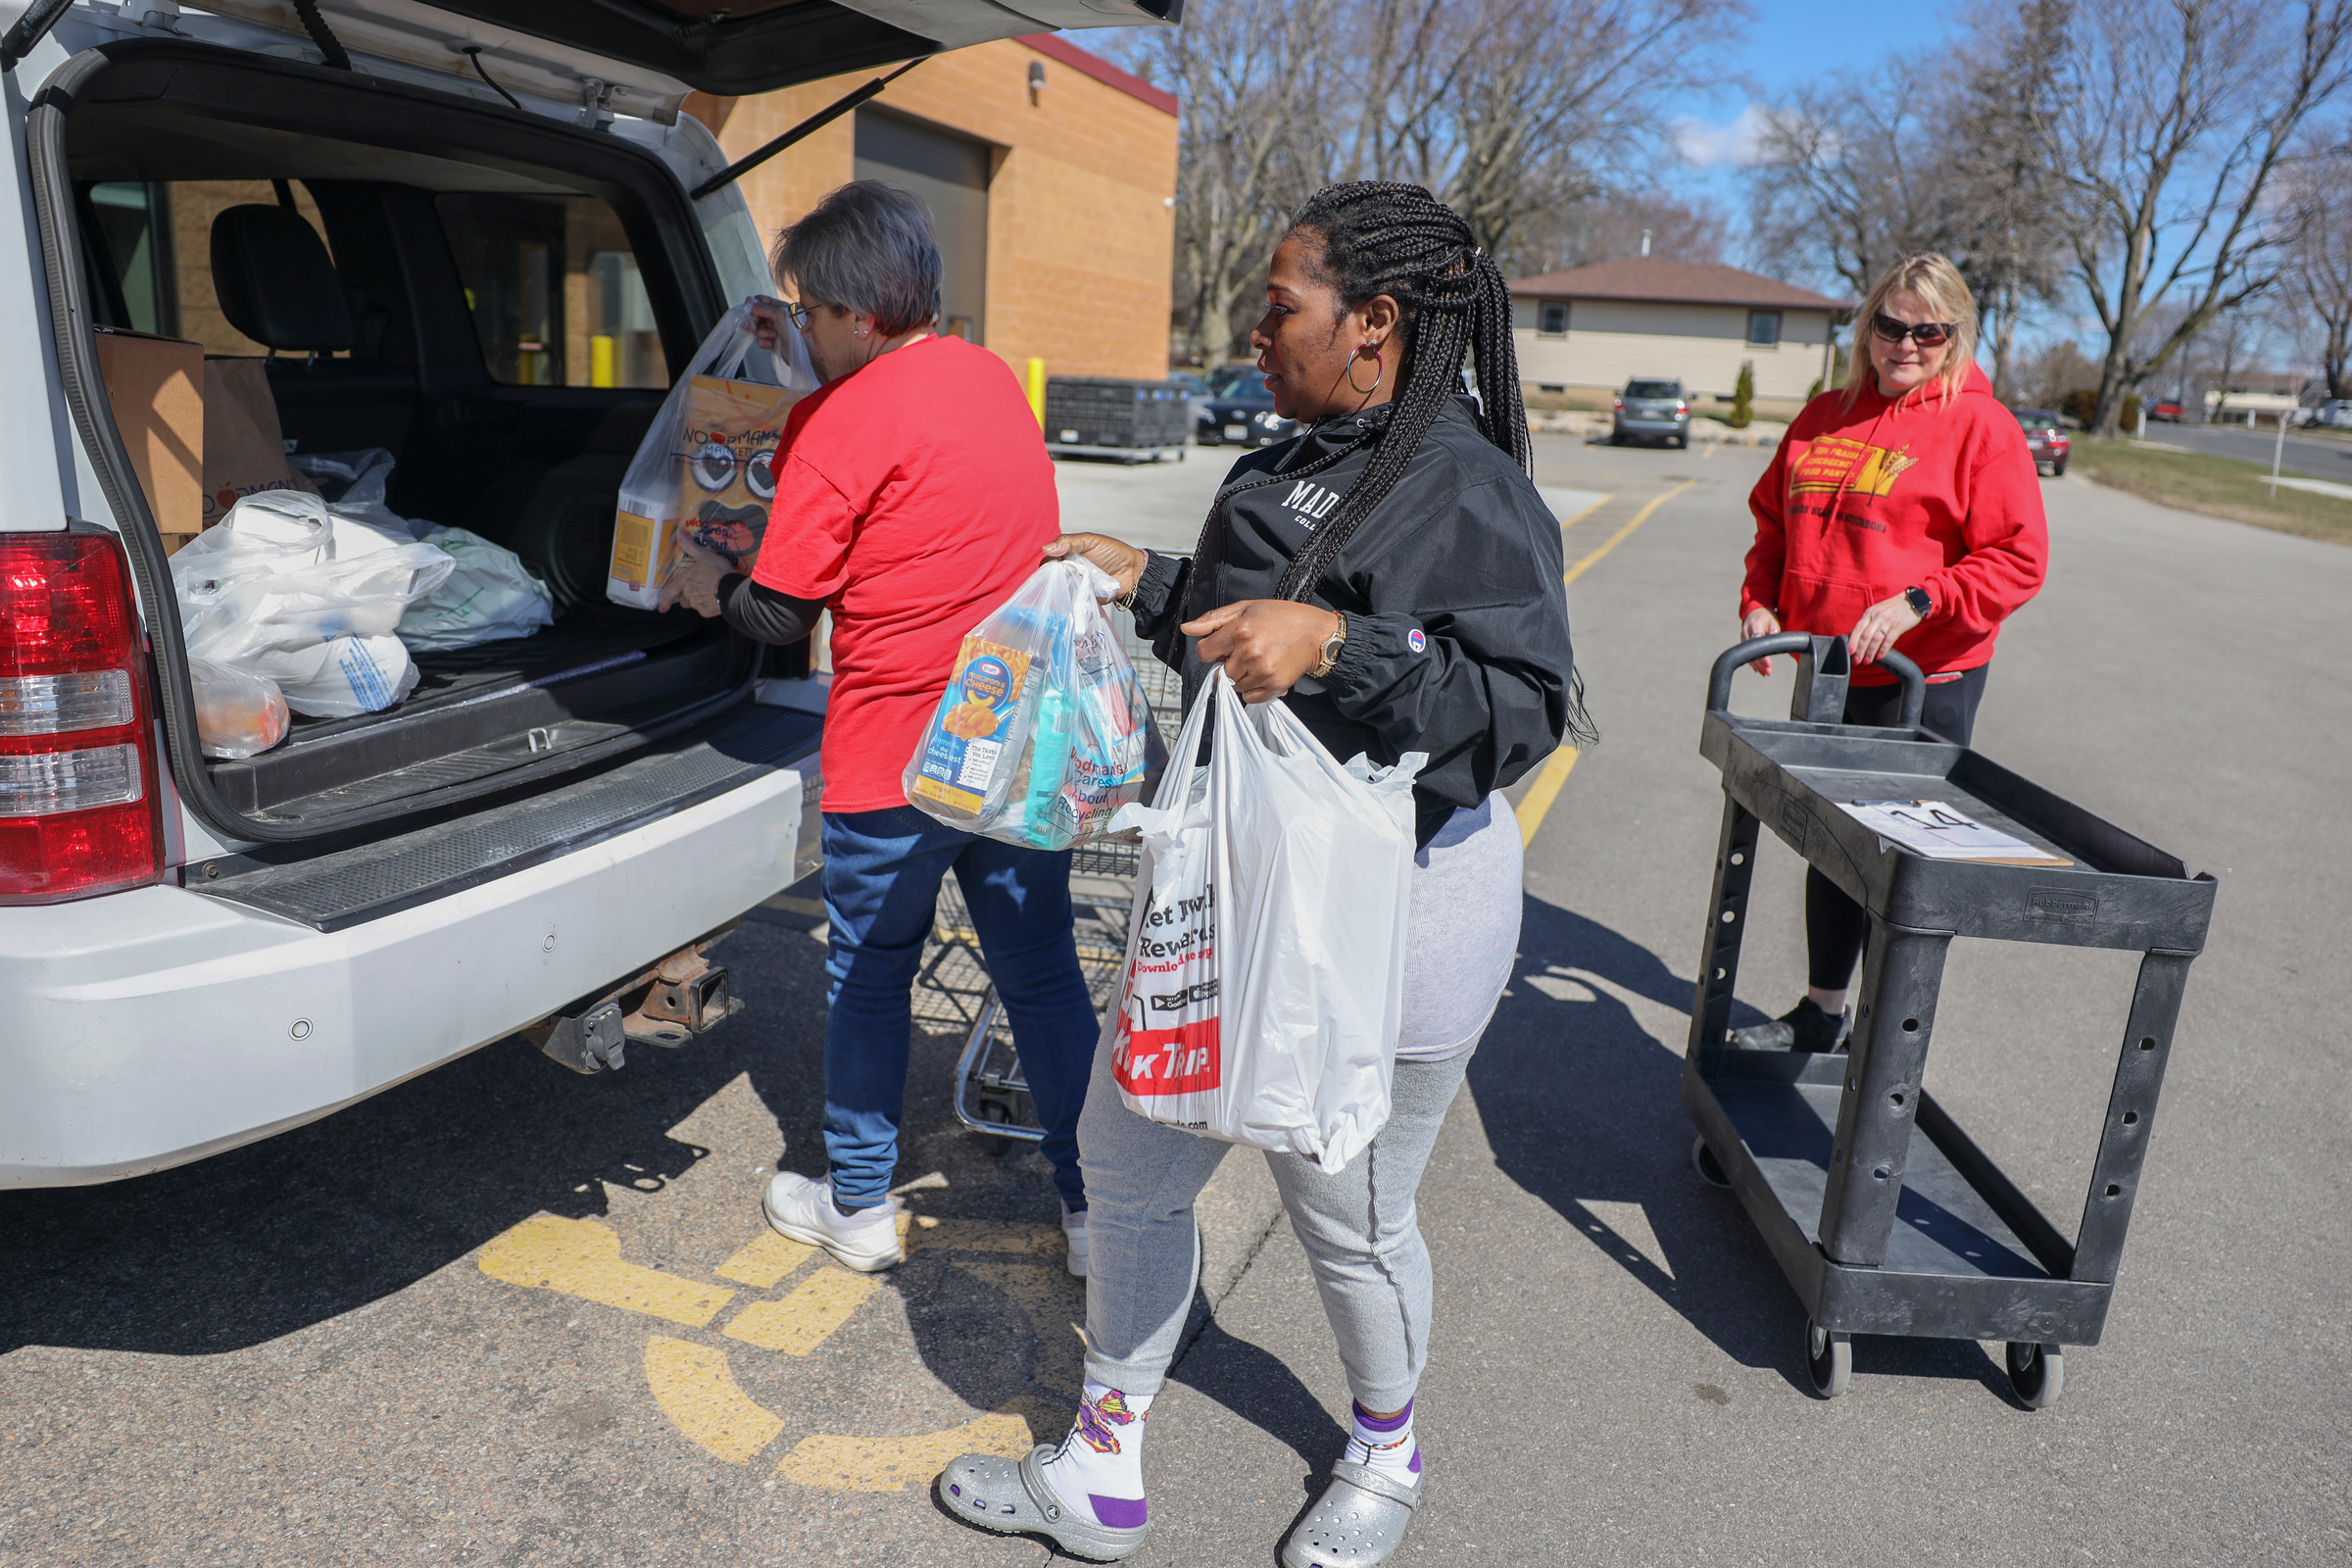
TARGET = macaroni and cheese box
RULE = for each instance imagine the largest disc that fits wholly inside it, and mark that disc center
(974, 744)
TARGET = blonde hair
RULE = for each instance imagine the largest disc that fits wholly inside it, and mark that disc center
(1938, 285)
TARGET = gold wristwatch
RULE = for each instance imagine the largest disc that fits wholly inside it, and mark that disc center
(1332, 646)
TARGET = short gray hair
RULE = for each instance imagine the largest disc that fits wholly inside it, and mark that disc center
(867, 247)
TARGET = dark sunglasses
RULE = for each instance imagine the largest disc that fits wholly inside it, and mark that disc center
(1927, 334)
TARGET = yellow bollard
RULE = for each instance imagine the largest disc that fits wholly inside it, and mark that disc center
(600, 361)
(1037, 390)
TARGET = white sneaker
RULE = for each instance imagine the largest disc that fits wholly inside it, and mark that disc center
(1073, 1229)
(803, 1210)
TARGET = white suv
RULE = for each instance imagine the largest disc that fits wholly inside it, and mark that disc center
(195, 953)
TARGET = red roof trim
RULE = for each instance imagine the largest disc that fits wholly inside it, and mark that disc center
(1102, 69)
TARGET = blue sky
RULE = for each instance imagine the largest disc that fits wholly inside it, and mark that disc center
(1791, 44)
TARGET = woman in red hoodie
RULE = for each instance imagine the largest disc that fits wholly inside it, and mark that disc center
(1903, 512)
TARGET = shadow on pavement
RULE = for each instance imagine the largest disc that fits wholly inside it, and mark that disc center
(1582, 1105)
(244, 1247)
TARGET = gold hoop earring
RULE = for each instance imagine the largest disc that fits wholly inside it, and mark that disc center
(1379, 371)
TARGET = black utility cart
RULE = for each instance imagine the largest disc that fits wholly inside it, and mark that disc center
(1878, 1231)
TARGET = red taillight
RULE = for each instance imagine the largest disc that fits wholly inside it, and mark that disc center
(79, 812)
(1616, 403)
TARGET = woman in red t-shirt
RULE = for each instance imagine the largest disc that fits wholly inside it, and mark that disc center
(914, 495)
(1902, 511)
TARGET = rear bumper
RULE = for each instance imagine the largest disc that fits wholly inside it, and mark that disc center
(150, 1028)
(1630, 426)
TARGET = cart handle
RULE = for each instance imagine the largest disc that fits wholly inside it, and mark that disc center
(1728, 662)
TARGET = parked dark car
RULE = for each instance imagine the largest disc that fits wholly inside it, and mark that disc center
(1652, 410)
(2046, 439)
(1239, 411)
(2168, 413)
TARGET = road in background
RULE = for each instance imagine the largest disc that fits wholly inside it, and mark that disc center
(502, 1314)
(2312, 456)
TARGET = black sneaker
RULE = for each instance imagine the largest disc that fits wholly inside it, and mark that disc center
(1803, 1027)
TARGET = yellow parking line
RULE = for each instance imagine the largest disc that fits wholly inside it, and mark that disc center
(1546, 789)
(888, 1464)
(1708, 456)
(581, 1258)
(807, 1317)
(693, 1386)
(1617, 538)
(765, 1261)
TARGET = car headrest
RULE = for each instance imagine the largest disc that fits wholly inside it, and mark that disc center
(274, 282)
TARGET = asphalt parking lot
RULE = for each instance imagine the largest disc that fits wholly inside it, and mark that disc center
(503, 1314)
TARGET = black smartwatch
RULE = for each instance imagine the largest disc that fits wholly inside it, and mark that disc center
(1921, 604)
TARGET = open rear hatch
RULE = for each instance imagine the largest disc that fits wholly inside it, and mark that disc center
(447, 221)
(436, 212)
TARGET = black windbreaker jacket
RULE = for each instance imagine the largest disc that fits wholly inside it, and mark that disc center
(1458, 621)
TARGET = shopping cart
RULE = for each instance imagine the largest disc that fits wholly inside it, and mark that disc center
(989, 1094)
(1883, 1215)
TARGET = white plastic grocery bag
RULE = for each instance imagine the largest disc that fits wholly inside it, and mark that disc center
(706, 465)
(489, 597)
(283, 591)
(1044, 731)
(1265, 955)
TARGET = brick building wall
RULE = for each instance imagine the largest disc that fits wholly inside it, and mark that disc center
(1081, 231)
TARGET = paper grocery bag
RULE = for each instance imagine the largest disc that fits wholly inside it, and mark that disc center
(725, 478)
(155, 386)
(244, 451)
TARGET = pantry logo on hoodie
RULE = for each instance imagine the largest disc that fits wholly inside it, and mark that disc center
(1838, 464)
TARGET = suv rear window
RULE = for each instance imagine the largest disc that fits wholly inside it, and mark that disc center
(1653, 389)
(555, 291)
(2037, 418)
(152, 241)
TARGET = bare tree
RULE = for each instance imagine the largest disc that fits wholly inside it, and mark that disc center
(2170, 120)
(1856, 174)
(1511, 111)
(1615, 224)
(2007, 212)
(1849, 178)
(1247, 78)
(2316, 299)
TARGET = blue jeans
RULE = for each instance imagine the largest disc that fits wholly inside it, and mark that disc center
(881, 881)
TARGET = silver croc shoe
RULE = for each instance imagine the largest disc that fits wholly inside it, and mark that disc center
(1014, 1499)
(1360, 1520)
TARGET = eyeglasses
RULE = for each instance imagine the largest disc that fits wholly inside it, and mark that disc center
(1927, 334)
(798, 315)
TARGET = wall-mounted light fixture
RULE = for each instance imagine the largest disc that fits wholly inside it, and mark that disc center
(1037, 78)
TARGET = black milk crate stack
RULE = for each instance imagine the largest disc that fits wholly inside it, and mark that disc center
(1883, 1215)
(1113, 418)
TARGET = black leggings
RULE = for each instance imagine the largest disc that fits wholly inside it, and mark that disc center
(1835, 926)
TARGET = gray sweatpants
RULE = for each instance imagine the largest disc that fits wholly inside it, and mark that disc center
(1361, 1234)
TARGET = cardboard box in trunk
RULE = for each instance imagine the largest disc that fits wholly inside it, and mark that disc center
(244, 450)
(156, 388)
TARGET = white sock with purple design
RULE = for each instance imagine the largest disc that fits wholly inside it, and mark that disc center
(1386, 1443)
(1098, 1469)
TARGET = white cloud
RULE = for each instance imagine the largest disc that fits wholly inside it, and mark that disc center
(1707, 144)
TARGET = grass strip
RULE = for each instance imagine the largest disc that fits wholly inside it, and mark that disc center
(2218, 487)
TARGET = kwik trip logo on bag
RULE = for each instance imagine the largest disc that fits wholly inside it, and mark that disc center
(1168, 1028)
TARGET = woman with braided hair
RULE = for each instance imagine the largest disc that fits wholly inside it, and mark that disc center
(1394, 576)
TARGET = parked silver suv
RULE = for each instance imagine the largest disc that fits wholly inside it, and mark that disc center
(479, 235)
(1652, 410)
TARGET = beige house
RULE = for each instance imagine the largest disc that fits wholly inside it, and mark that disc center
(1596, 328)
(1051, 175)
